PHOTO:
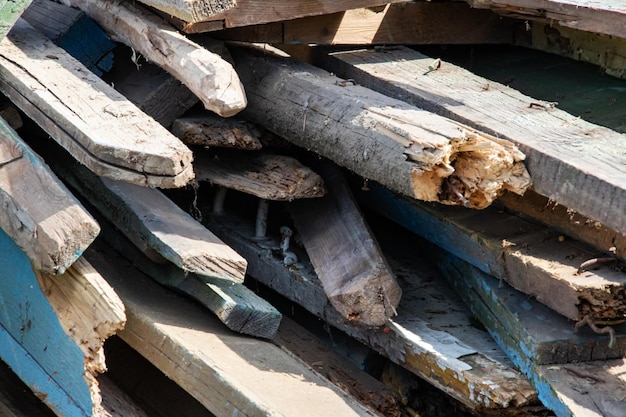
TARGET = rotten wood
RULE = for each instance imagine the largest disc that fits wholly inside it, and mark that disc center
(213, 131)
(400, 23)
(264, 175)
(96, 124)
(212, 79)
(409, 150)
(39, 213)
(569, 160)
(345, 255)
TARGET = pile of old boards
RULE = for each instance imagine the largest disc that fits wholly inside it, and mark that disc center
(165, 164)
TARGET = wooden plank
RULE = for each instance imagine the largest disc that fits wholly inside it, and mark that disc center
(265, 175)
(519, 339)
(10, 11)
(102, 129)
(209, 130)
(39, 213)
(193, 10)
(228, 373)
(433, 158)
(57, 356)
(250, 12)
(344, 253)
(446, 349)
(528, 256)
(400, 23)
(73, 31)
(212, 79)
(599, 16)
(569, 160)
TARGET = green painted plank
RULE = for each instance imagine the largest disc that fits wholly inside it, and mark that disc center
(10, 11)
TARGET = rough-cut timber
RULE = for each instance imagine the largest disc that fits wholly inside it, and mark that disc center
(191, 10)
(345, 254)
(42, 217)
(599, 16)
(571, 161)
(10, 11)
(96, 124)
(213, 131)
(447, 350)
(52, 329)
(207, 75)
(401, 23)
(532, 258)
(264, 175)
(229, 374)
(409, 150)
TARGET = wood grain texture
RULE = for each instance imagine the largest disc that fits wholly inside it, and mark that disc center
(599, 16)
(569, 160)
(39, 213)
(345, 254)
(400, 23)
(444, 349)
(265, 175)
(102, 129)
(213, 131)
(409, 150)
(212, 79)
(228, 373)
(191, 10)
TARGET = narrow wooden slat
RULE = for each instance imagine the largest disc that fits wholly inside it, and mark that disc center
(212, 79)
(409, 150)
(102, 129)
(39, 213)
(570, 161)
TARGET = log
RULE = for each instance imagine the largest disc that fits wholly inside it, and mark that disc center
(97, 125)
(212, 131)
(229, 374)
(599, 16)
(446, 350)
(10, 11)
(345, 254)
(570, 161)
(399, 23)
(39, 213)
(207, 75)
(52, 329)
(407, 149)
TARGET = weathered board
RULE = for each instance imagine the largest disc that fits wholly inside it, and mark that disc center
(599, 16)
(96, 124)
(10, 11)
(212, 79)
(532, 258)
(410, 150)
(400, 23)
(432, 335)
(570, 161)
(344, 253)
(39, 213)
(213, 131)
(229, 374)
(191, 10)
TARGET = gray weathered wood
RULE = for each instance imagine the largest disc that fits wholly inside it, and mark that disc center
(191, 10)
(210, 130)
(571, 161)
(97, 125)
(207, 75)
(265, 175)
(39, 213)
(228, 373)
(345, 254)
(409, 150)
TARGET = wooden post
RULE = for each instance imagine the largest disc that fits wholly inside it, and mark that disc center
(409, 150)
(39, 213)
(207, 75)
(345, 254)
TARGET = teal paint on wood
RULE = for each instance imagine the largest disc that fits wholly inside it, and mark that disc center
(28, 318)
(10, 11)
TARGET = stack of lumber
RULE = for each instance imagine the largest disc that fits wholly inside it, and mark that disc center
(167, 164)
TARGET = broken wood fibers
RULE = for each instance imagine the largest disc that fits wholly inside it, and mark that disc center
(96, 124)
(213, 131)
(409, 150)
(345, 254)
